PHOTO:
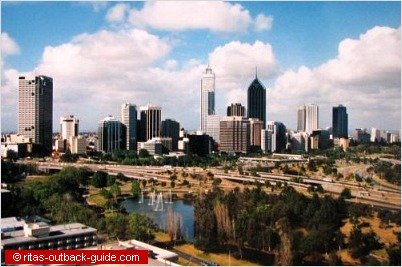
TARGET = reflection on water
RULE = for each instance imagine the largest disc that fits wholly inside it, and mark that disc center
(185, 209)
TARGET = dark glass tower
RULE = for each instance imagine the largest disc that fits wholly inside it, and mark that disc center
(256, 101)
(339, 122)
(171, 128)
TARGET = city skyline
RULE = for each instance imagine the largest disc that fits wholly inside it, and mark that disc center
(164, 72)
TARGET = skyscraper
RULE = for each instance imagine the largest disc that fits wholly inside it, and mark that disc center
(111, 134)
(255, 134)
(311, 118)
(207, 105)
(236, 110)
(256, 101)
(150, 122)
(339, 122)
(35, 109)
(278, 130)
(301, 119)
(129, 119)
(213, 126)
(69, 126)
(235, 135)
(171, 128)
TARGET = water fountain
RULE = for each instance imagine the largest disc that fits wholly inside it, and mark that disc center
(159, 203)
(141, 198)
(170, 197)
(151, 198)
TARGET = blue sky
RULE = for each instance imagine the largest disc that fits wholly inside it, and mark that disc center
(302, 34)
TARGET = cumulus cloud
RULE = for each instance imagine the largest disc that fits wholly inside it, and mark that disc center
(216, 16)
(8, 45)
(117, 13)
(365, 76)
(235, 66)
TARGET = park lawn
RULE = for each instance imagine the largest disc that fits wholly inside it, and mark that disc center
(97, 200)
(219, 258)
(162, 237)
(184, 262)
(126, 188)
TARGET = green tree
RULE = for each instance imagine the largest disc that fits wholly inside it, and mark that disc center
(143, 153)
(135, 189)
(346, 193)
(116, 226)
(141, 227)
(99, 179)
(115, 190)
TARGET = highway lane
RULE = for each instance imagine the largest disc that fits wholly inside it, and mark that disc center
(373, 196)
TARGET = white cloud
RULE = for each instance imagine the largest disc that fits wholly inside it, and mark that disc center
(263, 22)
(235, 65)
(216, 16)
(117, 13)
(8, 45)
(365, 76)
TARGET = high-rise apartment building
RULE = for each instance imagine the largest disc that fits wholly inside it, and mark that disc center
(69, 126)
(266, 140)
(129, 119)
(213, 126)
(171, 128)
(311, 118)
(35, 109)
(235, 135)
(111, 135)
(150, 122)
(256, 101)
(279, 135)
(255, 134)
(375, 135)
(339, 122)
(236, 110)
(207, 103)
(301, 119)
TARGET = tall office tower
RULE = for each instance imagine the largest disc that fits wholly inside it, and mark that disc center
(111, 135)
(339, 122)
(255, 133)
(311, 118)
(69, 127)
(301, 119)
(212, 127)
(236, 110)
(171, 128)
(266, 140)
(375, 135)
(150, 121)
(129, 119)
(35, 109)
(235, 135)
(256, 101)
(207, 105)
(279, 135)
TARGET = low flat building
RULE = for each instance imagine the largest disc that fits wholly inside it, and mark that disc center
(18, 234)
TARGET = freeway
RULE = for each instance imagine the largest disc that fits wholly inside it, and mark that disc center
(375, 196)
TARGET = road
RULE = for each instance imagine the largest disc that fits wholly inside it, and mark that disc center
(376, 196)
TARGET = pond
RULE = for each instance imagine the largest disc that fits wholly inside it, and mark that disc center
(183, 208)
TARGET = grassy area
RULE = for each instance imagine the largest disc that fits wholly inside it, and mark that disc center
(219, 258)
(162, 237)
(97, 200)
(346, 258)
(386, 234)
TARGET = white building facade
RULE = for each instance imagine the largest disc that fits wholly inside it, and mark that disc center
(207, 102)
